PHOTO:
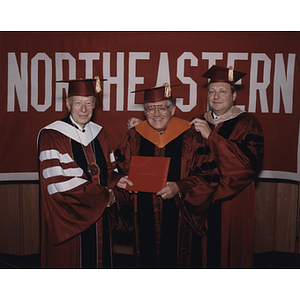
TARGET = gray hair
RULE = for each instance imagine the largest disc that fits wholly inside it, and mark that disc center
(233, 89)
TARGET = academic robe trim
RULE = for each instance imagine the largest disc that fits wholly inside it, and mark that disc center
(175, 128)
(84, 138)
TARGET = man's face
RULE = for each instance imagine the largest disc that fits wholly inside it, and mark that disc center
(156, 117)
(81, 108)
(220, 97)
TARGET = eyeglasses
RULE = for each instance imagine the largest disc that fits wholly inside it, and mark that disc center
(161, 108)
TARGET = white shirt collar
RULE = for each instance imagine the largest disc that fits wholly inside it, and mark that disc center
(78, 126)
(214, 115)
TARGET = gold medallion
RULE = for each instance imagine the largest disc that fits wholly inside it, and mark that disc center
(93, 169)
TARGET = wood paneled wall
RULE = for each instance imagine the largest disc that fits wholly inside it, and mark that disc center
(19, 218)
(275, 227)
(276, 216)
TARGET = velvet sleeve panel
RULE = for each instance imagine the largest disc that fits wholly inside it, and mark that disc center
(125, 201)
(237, 146)
(69, 202)
(199, 181)
(128, 147)
(113, 175)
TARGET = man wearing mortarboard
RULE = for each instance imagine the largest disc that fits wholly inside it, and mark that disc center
(76, 168)
(168, 225)
(236, 141)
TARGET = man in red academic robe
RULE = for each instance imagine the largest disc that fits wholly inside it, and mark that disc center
(168, 225)
(236, 141)
(76, 168)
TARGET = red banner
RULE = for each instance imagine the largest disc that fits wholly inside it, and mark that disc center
(32, 63)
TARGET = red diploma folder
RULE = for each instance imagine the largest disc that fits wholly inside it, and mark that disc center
(148, 173)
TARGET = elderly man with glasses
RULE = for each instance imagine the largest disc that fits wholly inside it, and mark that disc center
(168, 225)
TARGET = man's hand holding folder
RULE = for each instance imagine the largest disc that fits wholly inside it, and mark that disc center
(149, 174)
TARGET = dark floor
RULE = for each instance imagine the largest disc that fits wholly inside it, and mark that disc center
(7, 261)
(269, 260)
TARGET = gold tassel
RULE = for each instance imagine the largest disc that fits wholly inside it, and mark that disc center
(98, 86)
(230, 74)
(167, 90)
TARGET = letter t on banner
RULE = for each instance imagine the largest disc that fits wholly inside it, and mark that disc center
(133, 80)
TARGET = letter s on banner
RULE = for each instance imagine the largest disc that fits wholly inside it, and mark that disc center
(187, 80)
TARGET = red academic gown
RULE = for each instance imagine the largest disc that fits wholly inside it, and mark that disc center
(168, 232)
(72, 204)
(237, 145)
